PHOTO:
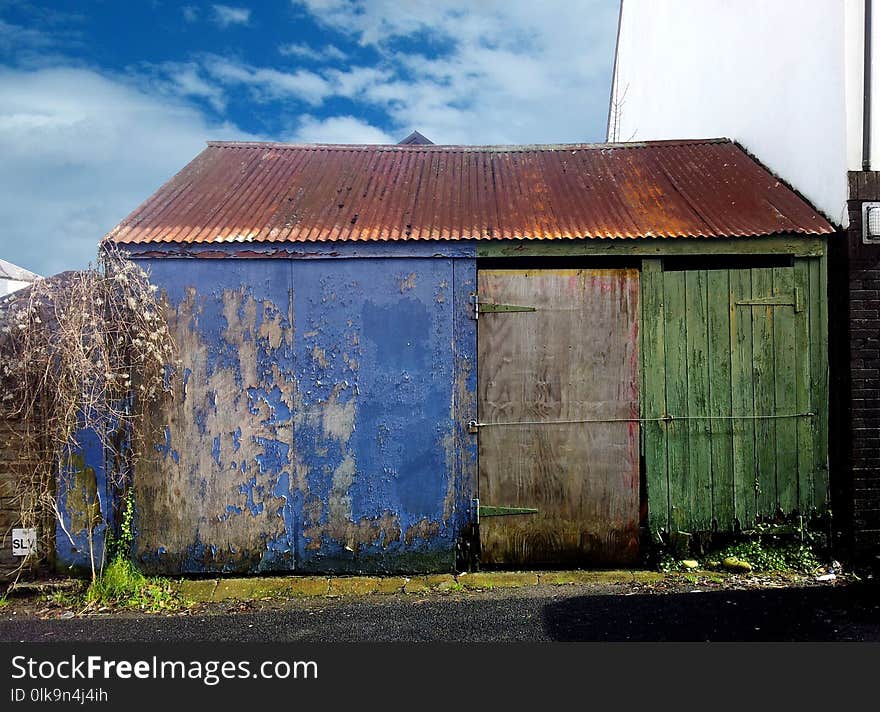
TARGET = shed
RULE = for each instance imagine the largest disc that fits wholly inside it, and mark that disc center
(413, 357)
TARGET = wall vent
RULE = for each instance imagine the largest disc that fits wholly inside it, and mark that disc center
(871, 223)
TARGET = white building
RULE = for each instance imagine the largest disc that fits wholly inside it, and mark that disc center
(797, 83)
(784, 78)
(13, 277)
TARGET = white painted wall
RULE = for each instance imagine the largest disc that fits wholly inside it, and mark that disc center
(782, 77)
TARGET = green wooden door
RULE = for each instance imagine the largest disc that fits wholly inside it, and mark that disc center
(734, 394)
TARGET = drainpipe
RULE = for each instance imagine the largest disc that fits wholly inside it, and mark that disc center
(866, 100)
(611, 97)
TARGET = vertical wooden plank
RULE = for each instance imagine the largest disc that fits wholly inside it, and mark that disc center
(742, 396)
(720, 397)
(654, 396)
(765, 392)
(803, 370)
(784, 368)
(675, 329)
(819, 366)
(699, 470)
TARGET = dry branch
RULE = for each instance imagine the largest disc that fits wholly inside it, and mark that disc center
(80, 351)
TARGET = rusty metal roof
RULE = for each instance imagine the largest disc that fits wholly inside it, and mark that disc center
(270, 192)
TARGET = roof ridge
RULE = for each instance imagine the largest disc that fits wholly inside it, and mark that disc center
(476, 148)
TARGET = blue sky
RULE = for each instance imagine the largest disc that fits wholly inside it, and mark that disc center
(102, 101)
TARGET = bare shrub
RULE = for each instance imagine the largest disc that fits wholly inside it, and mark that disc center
(80, 351)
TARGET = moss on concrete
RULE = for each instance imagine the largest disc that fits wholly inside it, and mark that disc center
(354, 585)
(497, 579)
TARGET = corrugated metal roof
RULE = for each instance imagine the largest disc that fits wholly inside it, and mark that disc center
(269, 192)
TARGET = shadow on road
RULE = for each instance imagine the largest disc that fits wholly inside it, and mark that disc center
(821, 613)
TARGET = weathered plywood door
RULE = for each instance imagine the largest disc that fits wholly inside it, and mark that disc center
(575, 358)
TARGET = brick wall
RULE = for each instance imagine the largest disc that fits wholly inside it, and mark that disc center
(855, 272)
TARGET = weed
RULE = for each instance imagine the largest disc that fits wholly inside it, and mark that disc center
(773, 556)
(667, 563)
(66, 599)
(794, 547)
(122, 584)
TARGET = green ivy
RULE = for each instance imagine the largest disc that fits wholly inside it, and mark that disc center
(121, 583)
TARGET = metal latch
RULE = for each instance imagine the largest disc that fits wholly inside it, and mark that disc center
(792, 301)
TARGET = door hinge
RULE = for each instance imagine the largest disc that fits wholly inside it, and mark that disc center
(493, 308)
(487, 510)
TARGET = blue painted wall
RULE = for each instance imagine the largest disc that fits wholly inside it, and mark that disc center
(319, 415)
(85, 503)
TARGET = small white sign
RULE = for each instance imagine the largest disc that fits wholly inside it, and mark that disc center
(24, 542)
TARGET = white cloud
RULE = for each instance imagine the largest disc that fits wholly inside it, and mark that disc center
(190, 13)
(509, 71)
(460, 72)
(338, 129)
(80, 151)
(184, 79)
(224, 15)
(14, 37)
(354, 83)
(327, 53)
(268, 84)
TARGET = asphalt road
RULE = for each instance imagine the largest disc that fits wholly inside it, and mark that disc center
(542, 613)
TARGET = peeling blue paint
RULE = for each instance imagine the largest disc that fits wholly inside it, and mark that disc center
(165, 447)
(85, 501)
(280, 413)
(320, 423)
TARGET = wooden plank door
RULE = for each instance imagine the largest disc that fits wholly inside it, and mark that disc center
(540, 375)
(736, 359)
